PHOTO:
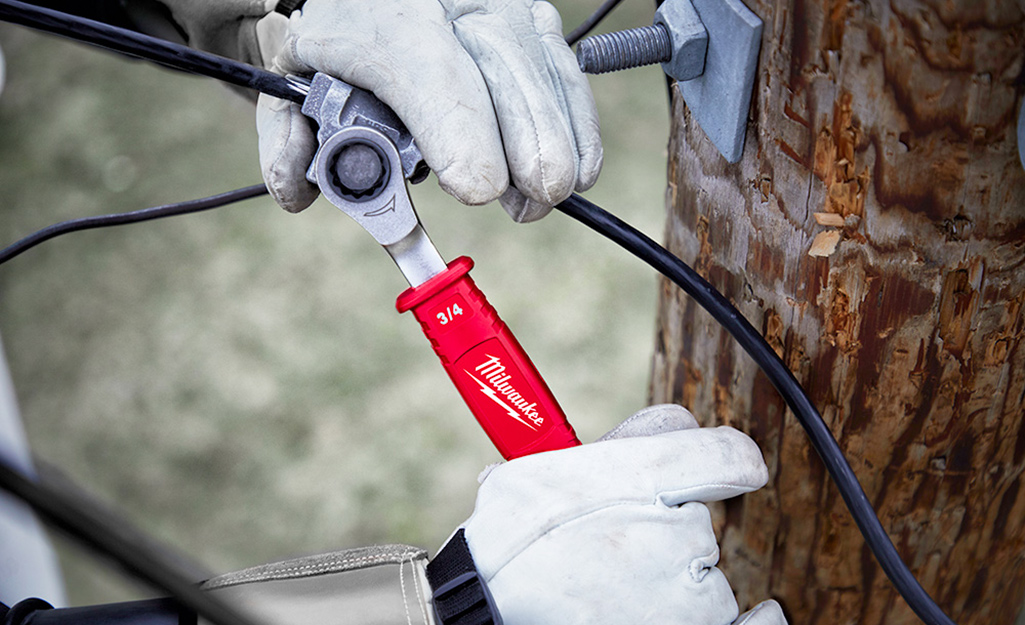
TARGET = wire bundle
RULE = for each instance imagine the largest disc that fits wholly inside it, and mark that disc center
(111, 537)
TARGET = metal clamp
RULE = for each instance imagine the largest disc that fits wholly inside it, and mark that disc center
(710, 47)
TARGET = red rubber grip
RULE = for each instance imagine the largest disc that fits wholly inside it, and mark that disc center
(492, 372)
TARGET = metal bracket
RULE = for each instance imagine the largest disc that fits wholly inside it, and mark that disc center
(720, 97)
(336, 105)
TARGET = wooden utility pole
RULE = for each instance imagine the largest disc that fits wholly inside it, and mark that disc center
(875, 231)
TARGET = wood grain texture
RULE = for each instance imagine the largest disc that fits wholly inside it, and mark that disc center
(906, 323)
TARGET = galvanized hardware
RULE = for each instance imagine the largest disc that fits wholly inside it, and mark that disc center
(720, 98)
(624, 49)
(361, 169)
(677, 40)
(713, 56)
(689, 37)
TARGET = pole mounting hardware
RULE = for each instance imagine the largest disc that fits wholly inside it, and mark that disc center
(710, 47)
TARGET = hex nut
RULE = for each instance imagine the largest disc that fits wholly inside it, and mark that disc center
(688, 37)
(359, 170)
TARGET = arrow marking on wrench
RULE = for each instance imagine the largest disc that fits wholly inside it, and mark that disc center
(389, 207)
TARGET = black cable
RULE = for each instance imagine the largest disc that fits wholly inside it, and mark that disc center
(592, 20)
(118, 219)
(149, 48)
(180, 57)
(776, 370)
(106, 533)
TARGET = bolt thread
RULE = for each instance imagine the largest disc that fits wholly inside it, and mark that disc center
(624, 49)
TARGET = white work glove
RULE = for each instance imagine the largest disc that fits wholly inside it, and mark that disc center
(617, 531)
(224, 27)
(488, 88)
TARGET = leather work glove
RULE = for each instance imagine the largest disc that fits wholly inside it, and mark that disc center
(488, 88)
(225, 27)
(615, 532)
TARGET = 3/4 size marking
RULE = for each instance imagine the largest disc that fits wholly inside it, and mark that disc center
(449, 314)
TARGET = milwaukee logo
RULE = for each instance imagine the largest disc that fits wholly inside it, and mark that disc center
(500, 391)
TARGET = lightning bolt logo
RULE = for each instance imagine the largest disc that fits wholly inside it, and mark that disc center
(493, 396)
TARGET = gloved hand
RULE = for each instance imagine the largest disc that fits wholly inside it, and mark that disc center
(224, 27)
(488, 88)
(617, 531)
(614, 532)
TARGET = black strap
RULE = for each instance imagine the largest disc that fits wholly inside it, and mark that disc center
(460, 595)
(285, 7)
(22, 612)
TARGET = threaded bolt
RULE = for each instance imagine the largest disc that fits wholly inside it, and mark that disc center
(625, 49)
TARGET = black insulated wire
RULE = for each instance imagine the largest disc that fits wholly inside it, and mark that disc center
(180, 57)
(142, 46)
(775, 369)
(133, 217)
(592, 21)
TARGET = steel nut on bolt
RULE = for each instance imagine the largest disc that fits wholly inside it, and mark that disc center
(688, 36)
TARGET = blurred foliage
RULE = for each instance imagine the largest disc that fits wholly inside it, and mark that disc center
(238, 382)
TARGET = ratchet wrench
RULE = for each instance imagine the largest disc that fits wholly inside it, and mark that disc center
(364, 159)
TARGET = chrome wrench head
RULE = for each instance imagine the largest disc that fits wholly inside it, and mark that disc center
(360, 169)
(357, 170)
(335, 104)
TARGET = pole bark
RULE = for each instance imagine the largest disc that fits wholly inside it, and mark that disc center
(875, 231)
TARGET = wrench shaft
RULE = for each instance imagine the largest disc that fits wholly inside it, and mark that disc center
(416, 257)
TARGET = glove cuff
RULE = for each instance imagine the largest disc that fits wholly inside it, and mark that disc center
(460, 595)
(371, 585)
(285, 7)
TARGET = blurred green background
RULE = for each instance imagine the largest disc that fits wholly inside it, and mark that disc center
(238, 383)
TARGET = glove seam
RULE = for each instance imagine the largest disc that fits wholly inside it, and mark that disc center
(312, 569)
(336, 565)
(452, 20)
(533, 124)
(560, 93)
(418, 584)
(416, 588)
(741, 490)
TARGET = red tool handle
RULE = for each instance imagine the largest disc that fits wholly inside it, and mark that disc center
(492, 372)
